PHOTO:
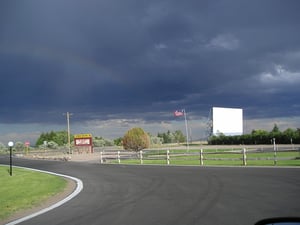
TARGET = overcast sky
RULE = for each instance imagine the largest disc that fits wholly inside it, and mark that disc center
(116, 64)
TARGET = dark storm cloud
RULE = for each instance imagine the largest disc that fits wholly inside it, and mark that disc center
(125, 58)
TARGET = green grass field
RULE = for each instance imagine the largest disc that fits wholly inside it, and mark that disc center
(26, 189)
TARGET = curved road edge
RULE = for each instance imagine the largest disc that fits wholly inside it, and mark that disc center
(78, 189)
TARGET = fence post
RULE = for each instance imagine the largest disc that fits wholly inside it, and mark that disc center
(244, 157)
(201, 157)
(101, 157)
(141, 156)
(118, 156)
(275, 152)
(168, 157)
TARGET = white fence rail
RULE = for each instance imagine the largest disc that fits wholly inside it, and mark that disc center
(207, 155)
(239, 156)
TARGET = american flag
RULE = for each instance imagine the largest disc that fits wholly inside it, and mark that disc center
(179, 113)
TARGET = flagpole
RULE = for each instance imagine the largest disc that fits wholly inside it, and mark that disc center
(186, 130)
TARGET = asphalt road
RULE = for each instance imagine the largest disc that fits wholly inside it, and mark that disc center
(162, 195)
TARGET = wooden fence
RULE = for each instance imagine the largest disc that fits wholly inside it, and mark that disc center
(202, 156)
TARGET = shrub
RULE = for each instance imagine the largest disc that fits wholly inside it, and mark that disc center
(136, 139)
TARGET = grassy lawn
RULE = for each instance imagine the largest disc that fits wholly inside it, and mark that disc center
(25, 189)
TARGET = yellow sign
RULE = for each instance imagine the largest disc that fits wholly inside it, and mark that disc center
(82, 135)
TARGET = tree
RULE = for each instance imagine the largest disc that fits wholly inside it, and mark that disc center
(179, 137)
(136, 139)
(260, 136)
(52, 145)
(98, 142)
(156, 140)
(275, 129)
(101, 142)
(275, 133)
(2, 146)
(289, 136)
(118, 141)
(19, 146)
(59, 137)
(166, 137)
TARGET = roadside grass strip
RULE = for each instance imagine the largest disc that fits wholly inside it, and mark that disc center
(26, 189)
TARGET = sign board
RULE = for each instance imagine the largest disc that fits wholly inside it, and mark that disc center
(83, 142)
(82, 136)
(227, 121)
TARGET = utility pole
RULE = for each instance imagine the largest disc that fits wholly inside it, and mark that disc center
(68, 127)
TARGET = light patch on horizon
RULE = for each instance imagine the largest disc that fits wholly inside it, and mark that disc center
(16, 136)
(268, 124)
(112, 129)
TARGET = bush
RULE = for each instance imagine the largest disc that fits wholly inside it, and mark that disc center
(136, 139)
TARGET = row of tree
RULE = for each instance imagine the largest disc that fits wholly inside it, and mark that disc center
(60, 138)
(18, 146)
(139, 139)
(172, 137)
(135, 139)
(54, 139)
(289, 136)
